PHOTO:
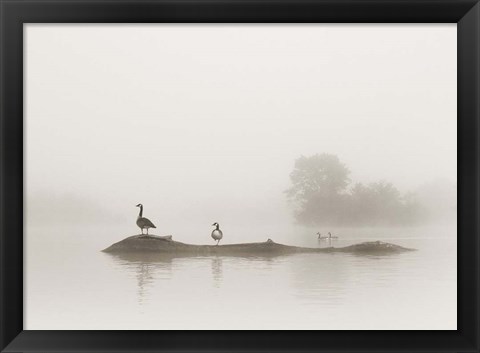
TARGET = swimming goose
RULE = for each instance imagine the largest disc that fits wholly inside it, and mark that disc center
(330, 236)
(217, 233)
(142, 222)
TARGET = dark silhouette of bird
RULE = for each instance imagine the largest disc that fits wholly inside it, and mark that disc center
(217, 233)
(330, 236)
(142, 222)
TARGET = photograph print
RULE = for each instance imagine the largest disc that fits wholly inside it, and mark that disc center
(240, 177)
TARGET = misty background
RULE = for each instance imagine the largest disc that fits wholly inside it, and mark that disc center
(203, 124)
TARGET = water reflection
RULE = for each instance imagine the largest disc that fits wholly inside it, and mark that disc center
(146, 267)
(327, 243)
(149, 268)
(320, 279)
(217, 271)
(311, 279)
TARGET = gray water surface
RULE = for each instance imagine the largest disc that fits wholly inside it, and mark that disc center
(72, 285)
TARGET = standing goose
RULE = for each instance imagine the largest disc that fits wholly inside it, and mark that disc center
(142, 222)
(217, 233)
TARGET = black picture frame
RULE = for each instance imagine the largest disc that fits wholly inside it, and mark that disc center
(15, 13)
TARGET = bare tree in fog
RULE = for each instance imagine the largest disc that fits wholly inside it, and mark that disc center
(320, 194)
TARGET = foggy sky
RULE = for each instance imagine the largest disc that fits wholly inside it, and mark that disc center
(202, 123)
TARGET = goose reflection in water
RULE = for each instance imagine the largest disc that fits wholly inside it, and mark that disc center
(147, 269)
(217, 270)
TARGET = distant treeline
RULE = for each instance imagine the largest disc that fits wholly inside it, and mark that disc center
(323, 194)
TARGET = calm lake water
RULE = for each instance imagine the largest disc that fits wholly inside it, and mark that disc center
(70, 284)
